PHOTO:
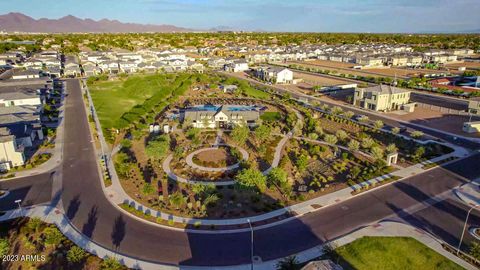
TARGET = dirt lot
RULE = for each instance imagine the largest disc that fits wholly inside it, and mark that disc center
(436, 119)
(333, 64)
(468, 65)
(317, 80)
(341, 67)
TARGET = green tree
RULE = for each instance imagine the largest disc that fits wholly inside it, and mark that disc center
(377, 152)
(416, 134)
(336, 110)
(301, 162)
(240, 134)
(341, 134)
(53, 236)
(330, 139)
(177, 199)
(419, 152)
(391, 148)
(474, 250)
(4, 247)
(367, 143)
(76, 254)
(158, 147)
(313, 136)
(252, 178)
(353, 145)
(378, 124)
(395, 130)
(126, 143)
(349, 114)
(262, 133)
(110, 263)
(277, 176)
(34, 224)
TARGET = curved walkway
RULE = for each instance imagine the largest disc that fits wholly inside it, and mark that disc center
(276, 160)
(192, 164)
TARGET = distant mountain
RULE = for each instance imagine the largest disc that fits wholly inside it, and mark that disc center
(22, 23)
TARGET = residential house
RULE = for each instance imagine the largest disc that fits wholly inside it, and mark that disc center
(23, 122)
(26, 74)
(236, 66)
(90, 69)
(17, 95)
(33, 63)
(11, 155)
(128, 66)
(278, 75)
(398, 60)
(369, 61)
(195, 66)
(110, 67)
(71, 69)
(381, 98)
(224, 116)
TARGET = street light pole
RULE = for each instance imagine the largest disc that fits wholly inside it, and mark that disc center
(465, 226)
(251, 243)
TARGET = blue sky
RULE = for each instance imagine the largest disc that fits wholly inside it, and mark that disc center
(270, 15)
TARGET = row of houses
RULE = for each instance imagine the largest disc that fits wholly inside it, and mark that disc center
(22, 96)
(131, 62)
(362, 54)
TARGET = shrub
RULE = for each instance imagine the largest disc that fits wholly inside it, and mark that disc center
(76, 254)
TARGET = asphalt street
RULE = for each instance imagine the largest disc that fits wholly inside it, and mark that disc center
(31, 190)
(91, 213)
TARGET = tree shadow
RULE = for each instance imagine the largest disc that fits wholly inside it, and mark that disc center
(73, 207)
(89, 226)
(118, 232)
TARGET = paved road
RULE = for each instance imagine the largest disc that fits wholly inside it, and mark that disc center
(92, 214)
(31, 190)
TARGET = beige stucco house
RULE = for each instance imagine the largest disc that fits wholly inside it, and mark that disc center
(10, 154)
(381, 98)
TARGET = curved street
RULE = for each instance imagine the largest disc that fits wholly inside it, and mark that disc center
(425, 201)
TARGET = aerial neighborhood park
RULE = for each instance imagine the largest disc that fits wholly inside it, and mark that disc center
(154, 146)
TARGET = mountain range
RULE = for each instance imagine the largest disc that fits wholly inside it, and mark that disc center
(22, 23)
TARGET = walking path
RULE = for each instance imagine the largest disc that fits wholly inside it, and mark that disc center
(55, 216)
(189, 159)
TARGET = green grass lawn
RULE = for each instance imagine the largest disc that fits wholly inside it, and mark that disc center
(394, 253)
(271, 116)
(113, 98)
(135, 96)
